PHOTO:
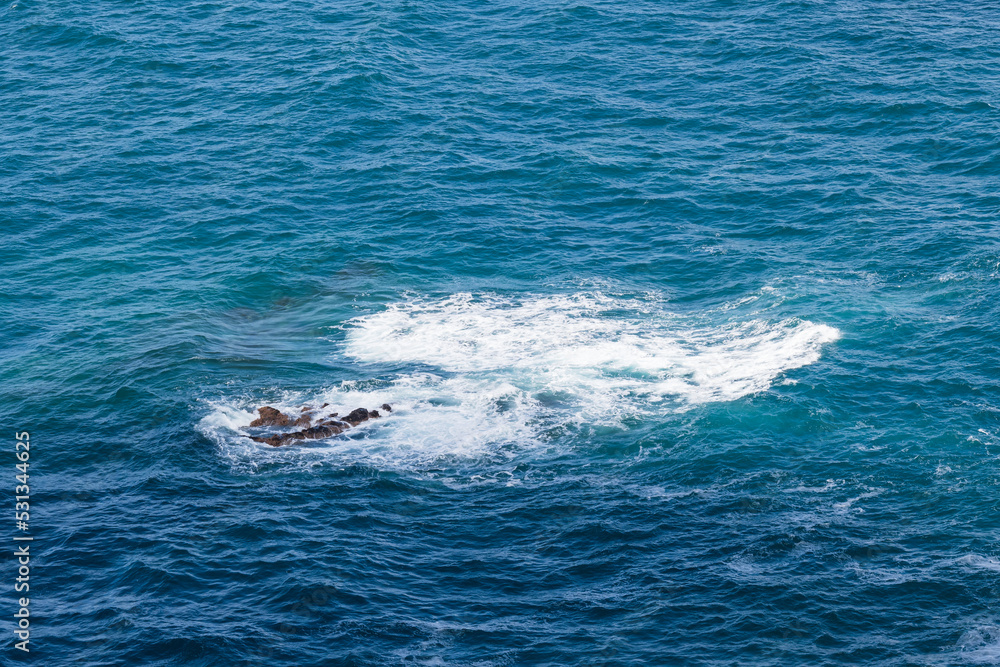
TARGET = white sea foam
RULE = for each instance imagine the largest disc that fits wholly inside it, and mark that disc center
(979, 562)
(491, 371)
(980, 645)
(600, 350)
(432, 418)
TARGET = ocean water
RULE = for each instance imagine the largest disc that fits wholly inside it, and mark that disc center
(688, 313)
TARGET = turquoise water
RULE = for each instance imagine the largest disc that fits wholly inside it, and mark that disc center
(688, 313)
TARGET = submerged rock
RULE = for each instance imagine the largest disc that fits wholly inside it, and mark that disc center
(325, 428)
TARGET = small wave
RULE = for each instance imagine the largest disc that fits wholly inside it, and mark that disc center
(981, 645)
(979, 562)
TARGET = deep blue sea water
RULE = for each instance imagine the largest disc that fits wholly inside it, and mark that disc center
(688, 313)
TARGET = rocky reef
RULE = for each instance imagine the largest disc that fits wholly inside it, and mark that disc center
(323, 428)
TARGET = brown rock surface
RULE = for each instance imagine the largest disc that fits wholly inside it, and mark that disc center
(271, 417)
(324, 429)
(357, 416)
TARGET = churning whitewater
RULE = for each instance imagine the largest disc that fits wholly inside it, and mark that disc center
(497, 370)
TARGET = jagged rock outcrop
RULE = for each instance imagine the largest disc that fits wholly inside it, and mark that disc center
(326, 427)
(271, 417)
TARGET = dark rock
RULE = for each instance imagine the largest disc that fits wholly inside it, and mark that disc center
(386, 407)
(308, 412)
(322, 430)
(271, 417)
(357, 416)
(329, 426)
